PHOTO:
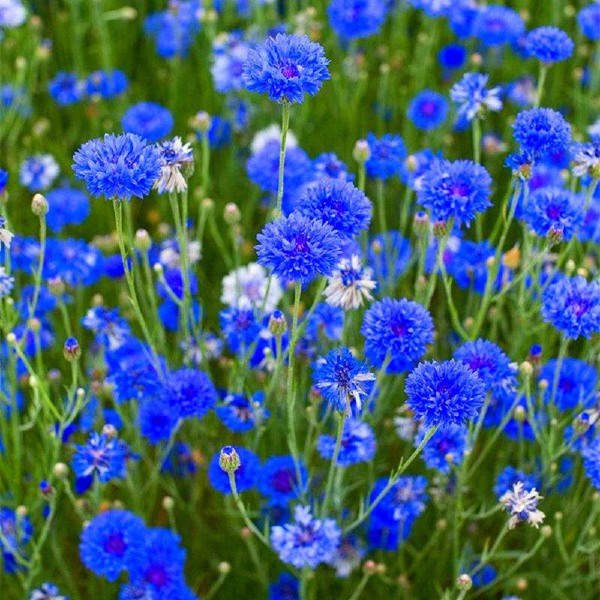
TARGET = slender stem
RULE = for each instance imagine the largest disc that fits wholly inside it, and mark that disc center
(540, 86)
(240, 506)
(285, 124)
(333, 465)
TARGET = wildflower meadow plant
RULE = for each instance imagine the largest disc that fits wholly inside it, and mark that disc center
(299, 300)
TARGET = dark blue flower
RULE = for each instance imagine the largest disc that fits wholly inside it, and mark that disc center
(399, 330)
(576, 383)
(358, 444)
(299, 248)
(287, 587)
(339, 204)
(445, 448)
(66, 88)
(75, 261)
(444, 393)
(549, 44)
(452, 56)
(157, 419)
(148, 120)
(403, 503)
(240, 413)
(111, 543)
(286, 67)
(246, 474)
(191, 393)
(240, 327)
(572, 305)
(107, 84)
(428, 110)
(352, 19)
(455, 190)
(496, 25)
(66, 206)
(540, 131)
(118, 167)
(387, 155)
(588, 20)
(278, 480)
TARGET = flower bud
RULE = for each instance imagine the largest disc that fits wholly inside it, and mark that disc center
(224, 567)
(168, 503)
(39, 205)
(61, 470)
(56, 286)
(555, 235)
(277, 323)
(464, 582)
(142, 241)
(440, 229)
(232, 214)
(110, 431)
(71, 350)
(362, 151)
(421, 224)
(229, 459)
(201, 121)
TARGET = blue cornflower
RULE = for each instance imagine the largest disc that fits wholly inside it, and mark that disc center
(473, 99)
(175, 28)
(15, 98)
(7, 283)
(522, 91)
(101, 456)
(343, 380)
(66, 206)
(540, 131)
(521, 503)
(38, 172)
(549, 44)
(159, 564)
(308, 542)
(588, 20)
(110, 328)
(387, 155)
(339, 204)
(118, 166)
(111, 543)
(157, 418)
(456, 190)
(191, 393)
(591, 461)
(3, 184)
(16, 534)
(47, 591)
(444, 393)
(287, 587)
(75, 261)
(403, 503)
(229, 57)
(358, 444)
(180, 461)
(446, 447)
(325, 324)
(240, 413)
(107, 84)
(246, 474)
(396, 330)
(240, 327)
(263, 170)
(329, 165)
(286, 67)
(556, 209)
(590, 232)
(278, 480)
(298, 248)
(415, 165)
(572, 305)
(389, 255)
(428, 110)
(66, 88)
(452, 56)
(509, 476)
(148, 120)
(352, 19)
(576, 383)
(175, 282)
(496, 25)
(586, 159)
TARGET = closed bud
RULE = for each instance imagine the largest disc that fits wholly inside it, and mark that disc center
(277, 323)
(520, 414)
(56, 286)
(168, 503)
(555, 235)
(370, 567)
(464, 582)
(229, 459)
(201, 121)
(34, 324)
(526, 368)
(362, 151)
(142, 241)
(39, 205)
(440, 229)
(232, 214)
(110, 431)
(224, 568)
(546, 531)
(71, 350)
(61, 470)
(421, 224)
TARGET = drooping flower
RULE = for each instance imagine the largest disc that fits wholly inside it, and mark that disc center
(444, 393)
(118, 166)
(286, 68)
(308, 542)
(522, 504)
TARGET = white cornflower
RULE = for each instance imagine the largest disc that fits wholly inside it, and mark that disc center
(522, 505)
(272, 132)
(170, 257)
(175, 156)
(247, 287)
(350, 284)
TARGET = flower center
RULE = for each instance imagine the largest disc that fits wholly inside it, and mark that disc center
(115, 545)
(290, 71)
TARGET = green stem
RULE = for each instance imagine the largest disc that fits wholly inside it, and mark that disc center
(285, 124)
(333, 465)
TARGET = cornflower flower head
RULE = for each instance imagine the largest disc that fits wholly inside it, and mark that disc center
(118, 167)
(585, 159)
(247, 286)
(456, 190)
(286, 68)
(230, 53)
(102, 457)
(509, 476)
(308, 542)
(554, 209)
(107, 84)
(7, 283)
(387, 155)
(298, 248)
(549, 44)
(591, 461)
(396, 330)
(572, 305)
(174, 29)
(148, 120)
(358, 444)
(240, 413)
(444, 393)
(191, 393)
(343, 380)
(353, 19)
(175, 157)
(38, 172)
(576, 383)
(473, 99)
(110, 543)
(47, 591)
(16, 533)
(278, 480)
(287, 587)
(404, 502)
(110, 328)
(350, 285)
(66, 88)
(445, 448)
(541, 131)
(330, 166)
(496, 25)
(67, 206)
(522, 504)
(588, 20)
(428, 110)
(240, 326)
(339, 204)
